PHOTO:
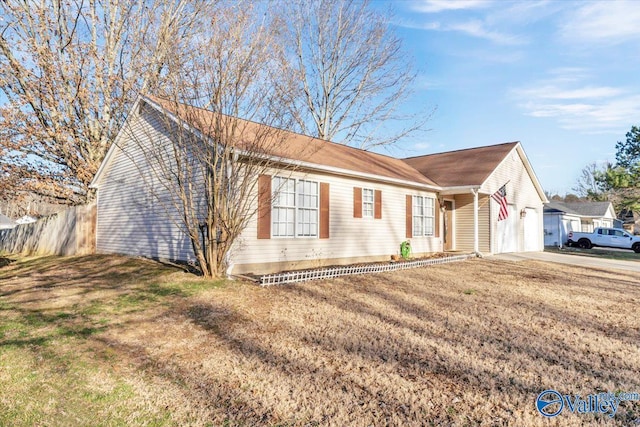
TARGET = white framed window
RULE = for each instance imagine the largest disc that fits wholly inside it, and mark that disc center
(367, 203)
(307, 217)
(423, 216)
(283, 209)
(295, 208)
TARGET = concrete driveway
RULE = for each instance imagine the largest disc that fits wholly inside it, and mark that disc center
(575, 260)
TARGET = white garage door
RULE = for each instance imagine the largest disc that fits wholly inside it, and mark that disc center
(507, 233)
(531, 230)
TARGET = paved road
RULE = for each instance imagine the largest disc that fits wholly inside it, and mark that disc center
(575, 260)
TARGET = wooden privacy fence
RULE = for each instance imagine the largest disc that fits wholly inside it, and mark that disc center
(328, 273)
(69, 232)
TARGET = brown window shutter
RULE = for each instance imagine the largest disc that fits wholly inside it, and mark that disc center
(437, 212)
(409, 217)
(264, 207)
(377, 197)
(324, 210)
(357, 202)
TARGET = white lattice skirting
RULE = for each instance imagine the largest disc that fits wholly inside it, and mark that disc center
(328, 273)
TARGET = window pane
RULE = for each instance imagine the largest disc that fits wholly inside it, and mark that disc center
(417, 205)
(429, 205)
(417, 225)
(367, 203)
(307, 205)
(428, 228)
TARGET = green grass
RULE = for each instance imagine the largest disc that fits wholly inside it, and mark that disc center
(55, 367)
(49, 387)
(596, 253)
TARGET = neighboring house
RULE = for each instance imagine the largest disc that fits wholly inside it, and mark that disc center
(6, 222)
(561, 217)
(26, 219)
(366, 204)
(630, 221)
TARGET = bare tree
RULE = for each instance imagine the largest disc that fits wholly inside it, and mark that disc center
(588, 185)
(69, 71)
(205, 172)
(348, 73)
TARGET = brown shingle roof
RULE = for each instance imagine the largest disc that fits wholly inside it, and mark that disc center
(303, 148)
(470, 166)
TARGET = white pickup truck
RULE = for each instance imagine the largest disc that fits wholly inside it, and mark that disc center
(606, 237)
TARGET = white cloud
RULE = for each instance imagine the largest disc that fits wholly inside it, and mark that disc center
(434, 6)
(477, 28)
(474, 28)
(576, 105)
(421, 145)
(524, 12)
(610, 22)
(555, 92)
(485, 28)
(413, 25)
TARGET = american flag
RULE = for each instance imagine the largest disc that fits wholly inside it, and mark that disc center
(500, 196)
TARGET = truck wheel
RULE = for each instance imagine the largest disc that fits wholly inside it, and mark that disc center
(584, 244)
(636, 248)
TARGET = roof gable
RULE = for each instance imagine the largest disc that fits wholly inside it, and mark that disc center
(593, 209)
(468, 167)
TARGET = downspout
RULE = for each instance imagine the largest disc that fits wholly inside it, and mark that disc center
(476, 246)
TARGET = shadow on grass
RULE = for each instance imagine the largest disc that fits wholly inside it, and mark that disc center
(201, 390)
(456, 338)
(4, 261)
(223, 324)
(49, 298)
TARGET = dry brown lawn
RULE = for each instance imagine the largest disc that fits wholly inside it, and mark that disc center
(104, 340)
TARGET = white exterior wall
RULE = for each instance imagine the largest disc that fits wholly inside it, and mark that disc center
(130, 220)
(557, 227)
(350, 239)
(521, 193)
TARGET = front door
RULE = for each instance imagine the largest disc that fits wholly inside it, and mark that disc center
(448, 225)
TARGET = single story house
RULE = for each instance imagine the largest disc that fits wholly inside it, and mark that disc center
(359, 206)
(562, 217)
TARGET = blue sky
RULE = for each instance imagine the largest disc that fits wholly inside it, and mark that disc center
(562, 77)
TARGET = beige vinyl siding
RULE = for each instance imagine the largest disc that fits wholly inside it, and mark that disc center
(130, 219)
(521, 192)
(351, 239)
(464, 222)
